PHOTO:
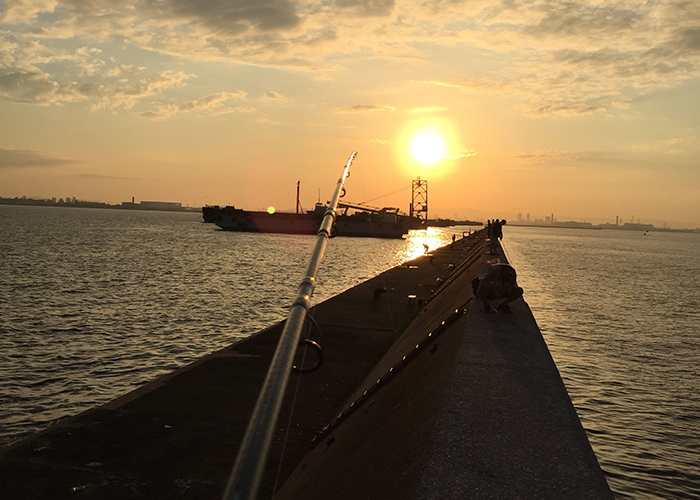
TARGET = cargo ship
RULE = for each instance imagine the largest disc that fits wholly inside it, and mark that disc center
(351, 220)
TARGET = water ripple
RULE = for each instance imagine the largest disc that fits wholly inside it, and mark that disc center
(97, 302)
(626, 343)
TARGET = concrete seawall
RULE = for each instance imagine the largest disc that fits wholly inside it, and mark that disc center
(417, 398)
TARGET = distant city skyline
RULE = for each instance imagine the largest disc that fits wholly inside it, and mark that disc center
(579, 108)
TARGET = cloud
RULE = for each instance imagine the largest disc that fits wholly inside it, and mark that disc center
(19, 158)
(317, 37)
(267, 121)
(558, 57)
(38, 88)
(688, 38)
(540, 156)
(578, 19)
(211, 104)
(361, 108)
(234, 16)
(561, 109)
(125, 70)
(125, 95)
(272, 96)
(676, 145)
(367, 8)
(25, 10)
(380, 141)
(478, 84)
(96, 177)
(596, 160)
(464, 153)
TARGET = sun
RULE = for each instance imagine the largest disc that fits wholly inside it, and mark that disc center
(427, 148)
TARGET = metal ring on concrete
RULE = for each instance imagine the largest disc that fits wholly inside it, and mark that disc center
(319, 352)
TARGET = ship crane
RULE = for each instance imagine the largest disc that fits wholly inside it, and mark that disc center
(366, 208)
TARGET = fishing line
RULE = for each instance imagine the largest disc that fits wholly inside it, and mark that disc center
(289, 425)
(391, 319)
(385, 195)
(312, 322)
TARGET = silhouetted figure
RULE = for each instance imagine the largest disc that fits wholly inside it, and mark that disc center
(500, 282)
(495, 234)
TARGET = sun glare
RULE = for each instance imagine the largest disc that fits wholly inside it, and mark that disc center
(427, 148)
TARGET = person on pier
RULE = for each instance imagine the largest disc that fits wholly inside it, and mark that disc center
(495, 233)
(500, 283)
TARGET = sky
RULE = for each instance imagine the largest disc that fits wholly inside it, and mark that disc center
(587, 110)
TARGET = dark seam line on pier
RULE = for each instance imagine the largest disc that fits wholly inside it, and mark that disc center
(472, 256)
(388, 376)
(364, 328)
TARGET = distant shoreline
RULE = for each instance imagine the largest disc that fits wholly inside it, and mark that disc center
(626, 227)
(176, 207)
(152, 207)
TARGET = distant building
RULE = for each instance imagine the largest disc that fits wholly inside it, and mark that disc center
(570, 223)
(527, 217)
(520, 217)
(152, 205)
(637, 226)
(160, 205)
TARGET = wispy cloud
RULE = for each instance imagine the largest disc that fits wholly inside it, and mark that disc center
(362, 108)
(40, 88)
(267, 121)
(272, 96)
(96, 177)
(464, 153)
(19, 158)
(367, 8)
(211, 104)
(674, 145)
(477, 84)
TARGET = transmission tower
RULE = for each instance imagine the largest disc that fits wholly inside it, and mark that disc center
(419, 199)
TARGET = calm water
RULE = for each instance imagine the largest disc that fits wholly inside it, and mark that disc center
(96, 302)
(620, 313)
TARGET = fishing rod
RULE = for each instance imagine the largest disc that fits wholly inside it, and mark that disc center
(252, 456)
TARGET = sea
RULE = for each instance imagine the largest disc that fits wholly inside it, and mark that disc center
(96, 302)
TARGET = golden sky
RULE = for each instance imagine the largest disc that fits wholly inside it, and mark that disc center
(585, 109)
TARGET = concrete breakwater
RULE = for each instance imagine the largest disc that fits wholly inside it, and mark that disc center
(420, 395)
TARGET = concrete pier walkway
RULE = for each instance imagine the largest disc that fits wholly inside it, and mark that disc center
(421, 395)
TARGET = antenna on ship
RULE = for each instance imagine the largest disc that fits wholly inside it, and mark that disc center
(250, 462)
(299, 209)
